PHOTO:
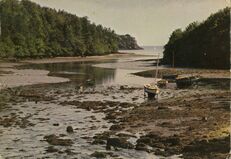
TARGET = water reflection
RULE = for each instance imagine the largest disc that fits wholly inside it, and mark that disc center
(78, 72)
(87, 73)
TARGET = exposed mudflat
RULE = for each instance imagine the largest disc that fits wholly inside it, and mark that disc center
(111, 118)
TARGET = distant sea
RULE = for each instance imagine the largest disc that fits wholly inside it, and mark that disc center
(147, 50)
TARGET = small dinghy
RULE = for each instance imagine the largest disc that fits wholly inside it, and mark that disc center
(152, 90)
(162, 83)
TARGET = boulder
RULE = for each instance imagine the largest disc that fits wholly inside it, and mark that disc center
(118, 143)
(70, 129)
(55, 140)
(99, 154)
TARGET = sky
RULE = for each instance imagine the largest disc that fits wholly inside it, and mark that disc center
(150, 21)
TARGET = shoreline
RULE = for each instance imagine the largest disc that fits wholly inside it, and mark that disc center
(203, 73)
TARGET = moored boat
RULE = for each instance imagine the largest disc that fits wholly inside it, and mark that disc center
(152, 90)
(185, 80)
(162, 83)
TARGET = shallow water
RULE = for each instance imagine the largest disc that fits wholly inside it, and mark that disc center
(148, 50)
(107, 73)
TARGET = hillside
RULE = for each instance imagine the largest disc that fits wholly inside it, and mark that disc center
(204, 45)
(126, 42)
(29, 30)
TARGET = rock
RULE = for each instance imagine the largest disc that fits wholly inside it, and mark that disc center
(69, 129)
(98, 142)
(51, 149)
(22, 150)
(103, 136)
(122, 87)
(143, 147)
(99, 154)
(118, 143)
(128, 135)
(116, 127)
(153, 135)
(173, 141)
(160, 153)
(55, 140)
(86, 137)
(162, 108)
(69, 152)
(169, 151)
(144, 140)
(88, 108)
(56, 124)
(113, 97)
(104, 126)
(216, 145)
(62, 135)
(204, 118)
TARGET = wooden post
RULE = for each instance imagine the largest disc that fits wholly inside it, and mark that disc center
(173, 59)
(0, 26)
(157, 65)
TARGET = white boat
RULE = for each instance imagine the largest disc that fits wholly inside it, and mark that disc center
(152, 89)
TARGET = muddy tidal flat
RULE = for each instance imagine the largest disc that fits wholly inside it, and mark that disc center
(96, 109)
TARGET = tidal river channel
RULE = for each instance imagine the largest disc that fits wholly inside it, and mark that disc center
(42, 110)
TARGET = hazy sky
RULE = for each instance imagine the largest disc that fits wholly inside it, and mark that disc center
(150, 21)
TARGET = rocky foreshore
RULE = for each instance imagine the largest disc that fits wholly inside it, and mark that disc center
(189, 123)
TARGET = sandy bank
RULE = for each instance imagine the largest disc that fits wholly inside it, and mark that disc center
(12, 77)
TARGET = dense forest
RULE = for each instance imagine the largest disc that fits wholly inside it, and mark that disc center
(204, 45)
(29, 30)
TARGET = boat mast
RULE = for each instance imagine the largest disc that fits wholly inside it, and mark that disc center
(157, 65)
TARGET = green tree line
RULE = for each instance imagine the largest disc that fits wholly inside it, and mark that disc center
(29, 30)
(204, 45)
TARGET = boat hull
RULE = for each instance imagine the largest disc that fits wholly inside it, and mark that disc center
(186, 82)
(151, 92)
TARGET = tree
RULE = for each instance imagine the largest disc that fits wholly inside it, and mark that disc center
(205, 44)
(29, 30)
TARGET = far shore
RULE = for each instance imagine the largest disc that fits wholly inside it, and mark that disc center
(79, 58)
